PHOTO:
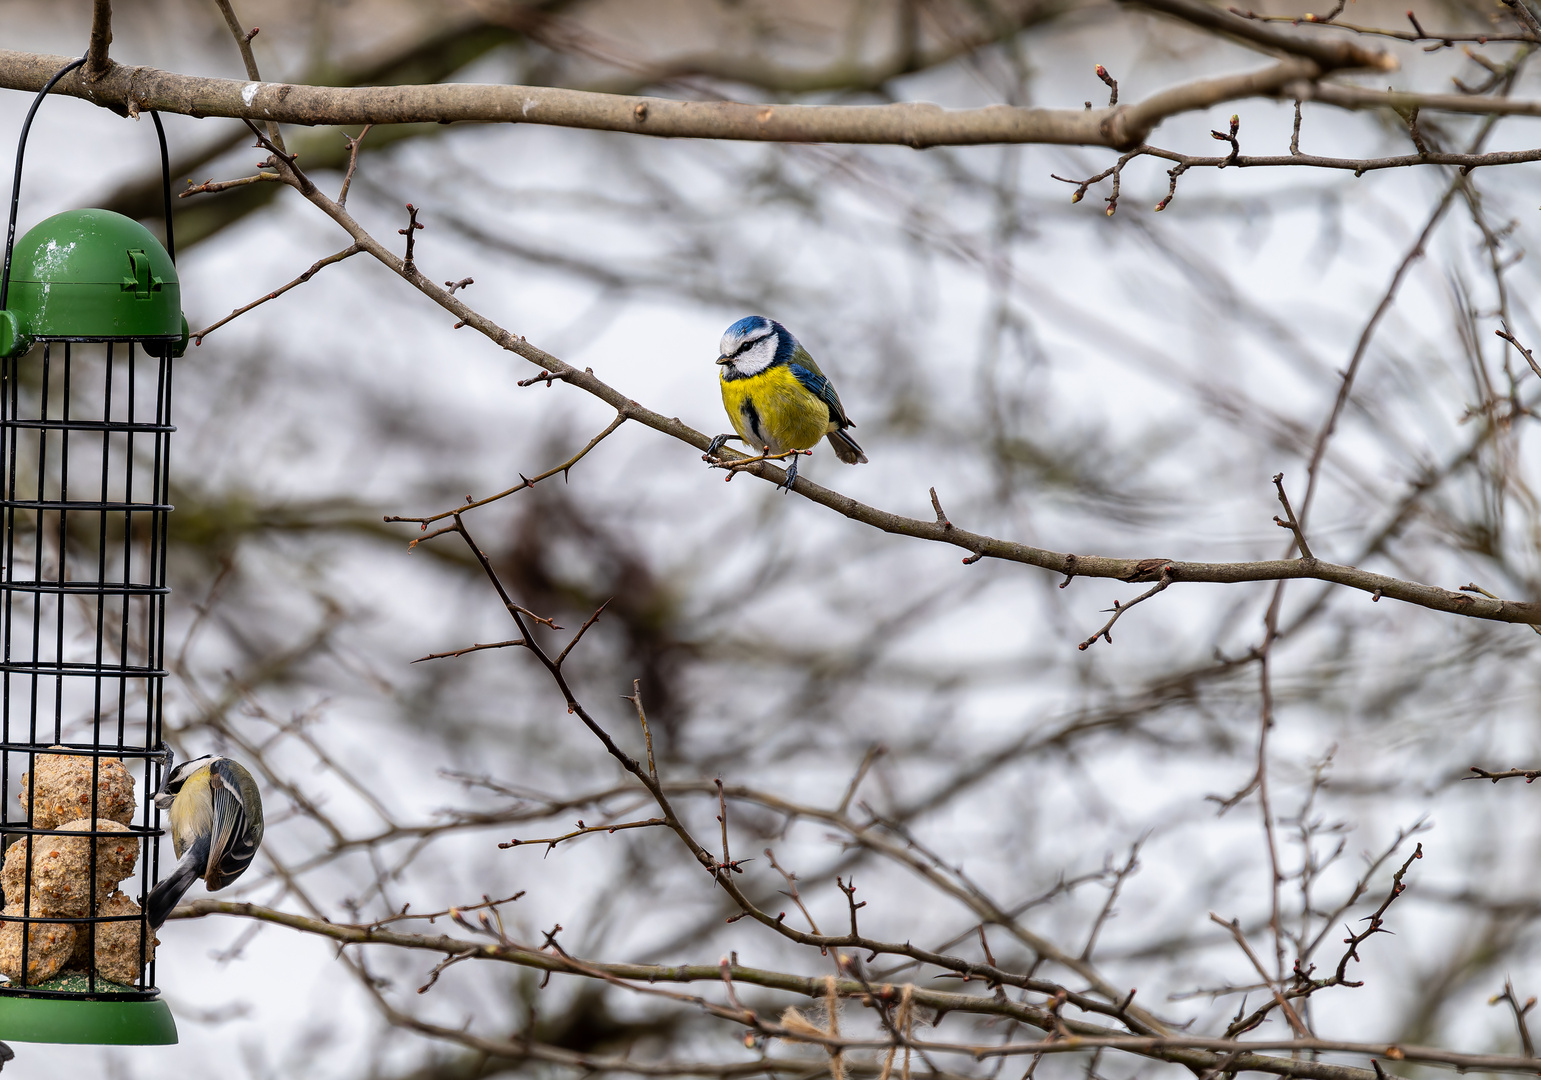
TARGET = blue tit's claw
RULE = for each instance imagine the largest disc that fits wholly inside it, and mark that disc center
(715, 445)
(791, 476)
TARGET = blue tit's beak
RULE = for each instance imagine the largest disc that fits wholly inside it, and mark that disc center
(724, 359)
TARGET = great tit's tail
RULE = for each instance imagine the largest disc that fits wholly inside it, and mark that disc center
(168, 893)
(846, 449)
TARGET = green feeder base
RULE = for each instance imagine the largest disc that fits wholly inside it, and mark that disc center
(98, 1020)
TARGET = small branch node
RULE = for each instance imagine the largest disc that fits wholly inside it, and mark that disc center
(1230, 138)
(410, 232)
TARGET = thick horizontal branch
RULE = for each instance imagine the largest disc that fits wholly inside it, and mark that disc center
(1193, 1051)
(132, 89)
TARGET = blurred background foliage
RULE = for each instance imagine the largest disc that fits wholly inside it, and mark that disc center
(1120, 385)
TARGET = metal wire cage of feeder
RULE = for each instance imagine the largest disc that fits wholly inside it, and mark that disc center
(90, 320)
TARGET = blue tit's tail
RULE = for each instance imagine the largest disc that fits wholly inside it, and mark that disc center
(168, 893)
(846, 449)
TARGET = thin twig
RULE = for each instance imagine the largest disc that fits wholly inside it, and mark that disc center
(320, 264)
(1241, 940)
(210, 187)
(584, 830)
(1118, 611)
(524, 481)
(353, 148)
(1526, 353)
(1519, 1014)
(1291, 523)
(875, 751)
(647, 735)
(584, 629)
(470, 649)
(1529, 775)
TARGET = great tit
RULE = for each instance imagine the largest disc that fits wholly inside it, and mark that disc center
(777, 398)
(216, 827)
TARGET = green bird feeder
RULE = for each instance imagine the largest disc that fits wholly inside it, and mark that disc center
(90, 321)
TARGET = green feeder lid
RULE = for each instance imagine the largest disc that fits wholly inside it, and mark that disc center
(92, 274)
(76, 1020)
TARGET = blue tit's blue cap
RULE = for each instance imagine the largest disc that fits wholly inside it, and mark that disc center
(748, 324)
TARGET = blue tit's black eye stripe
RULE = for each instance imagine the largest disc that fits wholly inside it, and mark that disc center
(745, 346)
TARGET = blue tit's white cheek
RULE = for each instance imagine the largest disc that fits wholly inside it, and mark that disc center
(758, 357)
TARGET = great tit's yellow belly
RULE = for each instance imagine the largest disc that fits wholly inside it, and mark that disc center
(774, 413)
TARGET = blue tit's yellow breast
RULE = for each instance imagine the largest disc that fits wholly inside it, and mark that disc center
(773, 411)
(192, 811)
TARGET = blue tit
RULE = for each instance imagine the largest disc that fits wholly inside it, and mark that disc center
(777, 398)
(216, 827)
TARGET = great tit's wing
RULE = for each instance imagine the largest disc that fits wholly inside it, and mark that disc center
(231, 845)
(808, 373)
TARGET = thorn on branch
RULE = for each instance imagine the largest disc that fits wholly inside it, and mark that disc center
(1417, 29)
(1070, 564)
(1112, 85)
(456, 286)
(410, 233)
(1295, 132)
(1230, 138)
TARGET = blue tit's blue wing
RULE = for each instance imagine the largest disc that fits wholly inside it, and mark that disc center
(818, 385)
(231, 845)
